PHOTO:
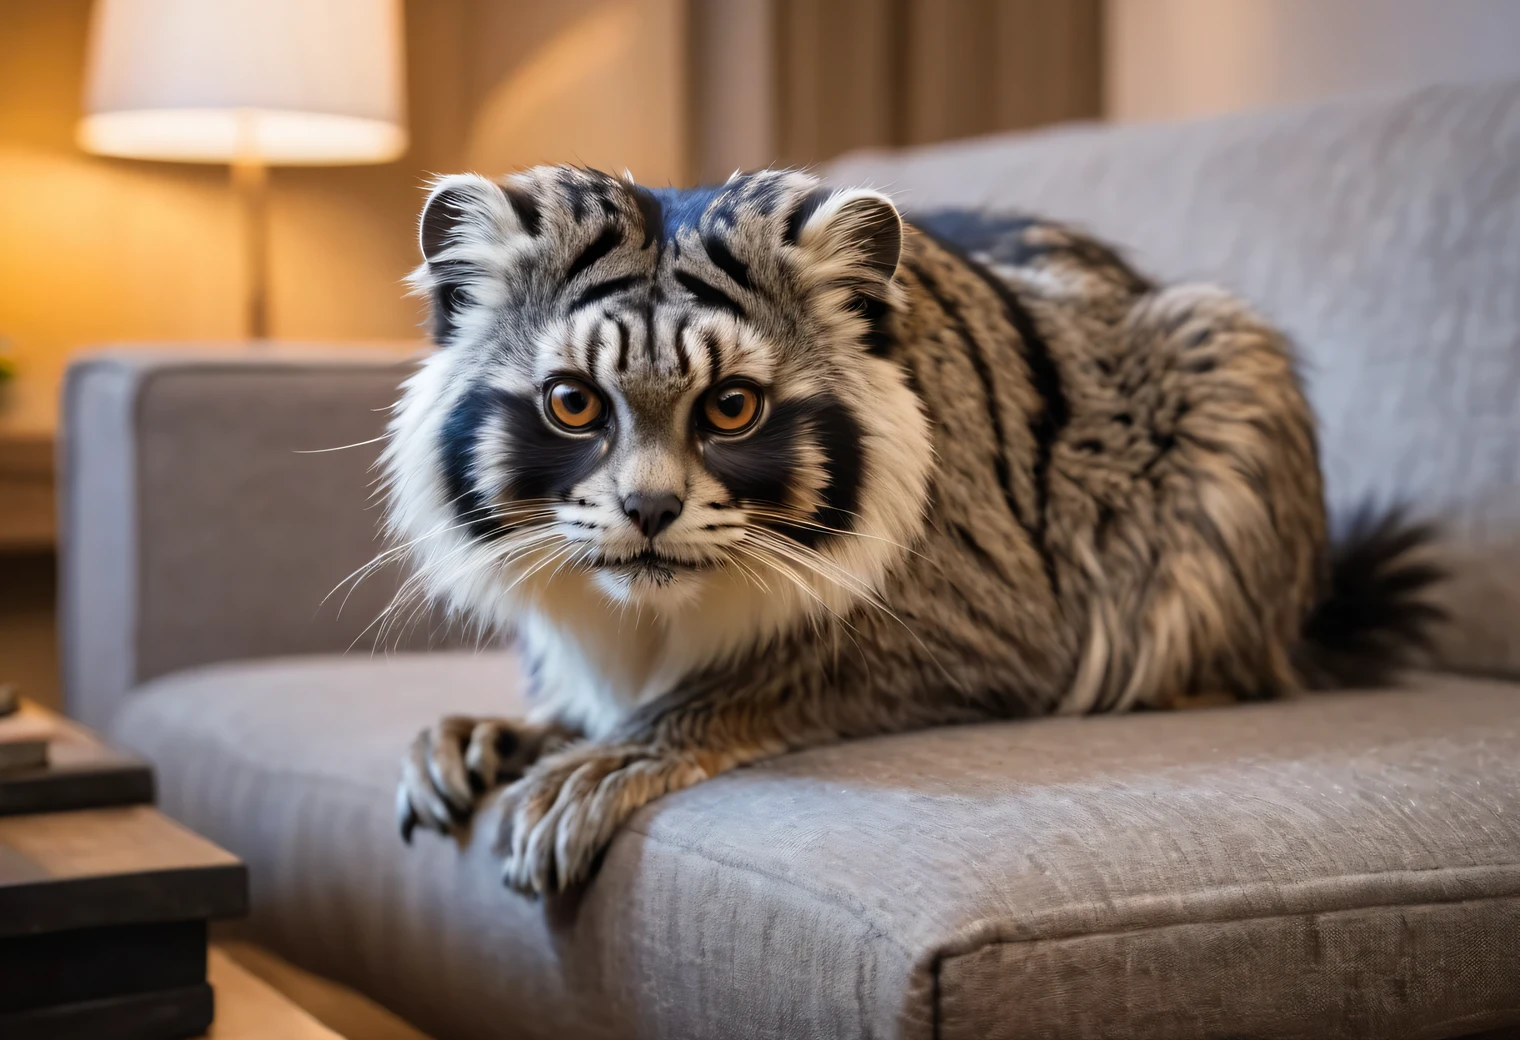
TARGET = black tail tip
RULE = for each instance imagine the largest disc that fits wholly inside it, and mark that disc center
(1377, 616)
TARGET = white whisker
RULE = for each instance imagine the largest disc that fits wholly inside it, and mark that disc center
(341, 447)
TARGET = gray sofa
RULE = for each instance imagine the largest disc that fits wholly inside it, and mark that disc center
(1345, 865)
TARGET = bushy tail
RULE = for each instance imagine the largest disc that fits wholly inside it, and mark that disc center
(1375, 617)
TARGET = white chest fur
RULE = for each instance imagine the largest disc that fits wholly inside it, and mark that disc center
(597, 660)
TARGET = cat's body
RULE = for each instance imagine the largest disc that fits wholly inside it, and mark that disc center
(962, 490)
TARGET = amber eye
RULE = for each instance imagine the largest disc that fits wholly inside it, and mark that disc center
(731, 408)
(574, 405)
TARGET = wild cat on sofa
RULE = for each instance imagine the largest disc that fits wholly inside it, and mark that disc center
(760, 467)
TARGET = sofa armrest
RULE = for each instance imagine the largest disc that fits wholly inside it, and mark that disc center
(203, 515)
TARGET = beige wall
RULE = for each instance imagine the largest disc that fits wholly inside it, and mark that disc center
(98, 250)
(1176, 58)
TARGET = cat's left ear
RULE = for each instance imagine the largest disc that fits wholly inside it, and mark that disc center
(856, 230)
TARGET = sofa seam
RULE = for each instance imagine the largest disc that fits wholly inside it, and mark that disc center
(941, 959)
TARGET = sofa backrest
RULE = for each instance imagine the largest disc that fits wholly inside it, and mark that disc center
(210, 500)
(1383, 233)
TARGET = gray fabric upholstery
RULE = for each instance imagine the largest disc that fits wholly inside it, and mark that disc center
(1382, 233)
(1341, 866)
(195, 529)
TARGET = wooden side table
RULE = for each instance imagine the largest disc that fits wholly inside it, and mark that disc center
(103, 916)
(104, 911)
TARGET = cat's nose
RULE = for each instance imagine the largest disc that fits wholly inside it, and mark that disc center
(652, 512)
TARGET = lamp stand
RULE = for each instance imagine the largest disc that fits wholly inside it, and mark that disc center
(250, 180)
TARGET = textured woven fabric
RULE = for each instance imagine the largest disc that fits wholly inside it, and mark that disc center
(1382, 233)
(204, 516)
(1343, 866)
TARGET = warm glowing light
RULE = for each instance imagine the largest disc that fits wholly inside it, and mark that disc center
(250, 81)
(221, 135)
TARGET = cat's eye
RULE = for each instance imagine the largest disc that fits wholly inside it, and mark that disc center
(731, 408)
(575, 405)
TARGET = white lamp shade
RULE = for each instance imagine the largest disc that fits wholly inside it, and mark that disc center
(283, 82)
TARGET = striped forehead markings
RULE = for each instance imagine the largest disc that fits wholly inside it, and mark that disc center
(610, 238)
(687, 333)
(623, 335)
(710, 295)
(594, 345)
(714, 358)
(679, 341)
(724, 260)
(601, 290)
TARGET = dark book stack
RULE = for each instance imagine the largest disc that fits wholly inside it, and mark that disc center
(49, 764)
(104, 902)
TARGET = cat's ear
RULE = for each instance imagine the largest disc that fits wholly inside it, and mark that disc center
(857, 230)
(469, 232)
(466, 209)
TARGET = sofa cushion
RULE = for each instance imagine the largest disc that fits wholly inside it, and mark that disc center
(1345, 865)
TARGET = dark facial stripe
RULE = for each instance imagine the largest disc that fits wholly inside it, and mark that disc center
(709, 295)
(457, 442)
(594, 349)
(683, 360)
(526, 208)
(602, 290)
(724, 260)
(604, 243)
(799, 217)
(622, 329)
(714, 357)
(539, 462)
(839, 436)
(761, 469)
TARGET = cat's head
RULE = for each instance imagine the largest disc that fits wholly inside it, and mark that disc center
(677, 400)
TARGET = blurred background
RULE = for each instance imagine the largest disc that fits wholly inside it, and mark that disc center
(100, 249)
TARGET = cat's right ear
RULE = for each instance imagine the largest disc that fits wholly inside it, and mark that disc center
(466, 209)
(469, 232)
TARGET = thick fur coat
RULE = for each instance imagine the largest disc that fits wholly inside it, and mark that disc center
(760, 467)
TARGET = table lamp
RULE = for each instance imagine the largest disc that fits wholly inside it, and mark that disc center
(250, 83)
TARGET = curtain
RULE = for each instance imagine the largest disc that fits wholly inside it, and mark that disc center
(800, 81)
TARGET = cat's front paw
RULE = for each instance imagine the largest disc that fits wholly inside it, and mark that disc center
(556, 820)
(453, 763)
